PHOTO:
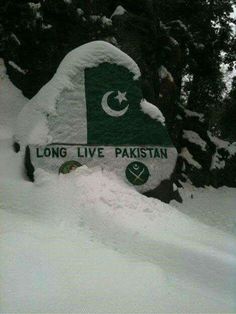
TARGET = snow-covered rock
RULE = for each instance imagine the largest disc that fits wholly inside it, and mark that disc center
(92, 112)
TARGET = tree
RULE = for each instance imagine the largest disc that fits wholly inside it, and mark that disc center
(37, 35)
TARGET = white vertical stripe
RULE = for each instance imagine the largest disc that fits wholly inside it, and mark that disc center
(70, 123)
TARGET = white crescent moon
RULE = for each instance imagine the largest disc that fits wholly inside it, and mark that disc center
(108, 110)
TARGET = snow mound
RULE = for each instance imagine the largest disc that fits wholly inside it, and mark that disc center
(117, 213)
(77, 230)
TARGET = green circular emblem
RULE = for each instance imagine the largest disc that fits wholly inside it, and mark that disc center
(69, 166)
(137, 173)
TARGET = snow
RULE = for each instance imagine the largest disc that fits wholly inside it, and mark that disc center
(165, 74)
(189, 158)
(217, 161)
(194, 138)
(16, 67)
(228, 75)
(11, 102)
(182, 25)
(106, 21)
(213, 207)
(194, 114)
(92, 54)
(80, 12)
(88, 243)
(233, 15)
(16, 39)
(174, 42)
(200, 46)
(185, 92)
(34, 6)
(103, 19)
(46, 26)
(118, 11)
(230, 147)
(152, 111)
(95, 18)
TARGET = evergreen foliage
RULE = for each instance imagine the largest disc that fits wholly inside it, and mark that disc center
(37, 35)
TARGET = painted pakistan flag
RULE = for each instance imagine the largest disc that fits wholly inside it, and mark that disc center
(114, 115)
(101, 119)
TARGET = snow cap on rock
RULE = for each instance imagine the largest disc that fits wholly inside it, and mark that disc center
(89, 81)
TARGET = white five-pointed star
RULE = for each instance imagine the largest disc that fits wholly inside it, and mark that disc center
(121, 96)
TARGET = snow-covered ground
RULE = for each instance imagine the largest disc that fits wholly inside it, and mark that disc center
(87, 243)
(213, 207)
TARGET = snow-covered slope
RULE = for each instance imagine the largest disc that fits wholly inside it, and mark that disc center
(87, 243)
(214, 207)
